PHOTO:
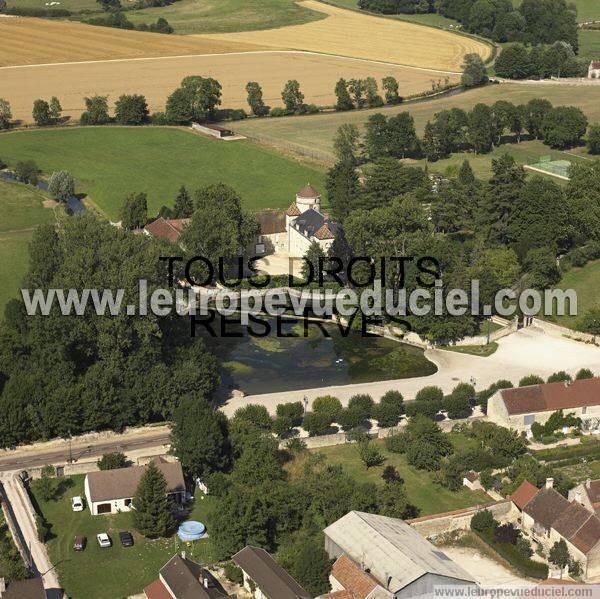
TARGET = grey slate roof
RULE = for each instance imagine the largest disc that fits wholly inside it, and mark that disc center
(391, 550)
(183, 577)
(269, 576)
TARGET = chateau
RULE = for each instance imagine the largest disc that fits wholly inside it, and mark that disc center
(293, 231)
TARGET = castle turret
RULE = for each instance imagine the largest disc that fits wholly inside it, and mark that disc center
(308, 197)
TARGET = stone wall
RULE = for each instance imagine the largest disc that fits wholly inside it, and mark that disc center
(557, 330)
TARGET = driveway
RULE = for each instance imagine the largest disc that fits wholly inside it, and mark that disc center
(528, 351)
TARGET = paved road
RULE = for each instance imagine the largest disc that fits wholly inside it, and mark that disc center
(57, 452)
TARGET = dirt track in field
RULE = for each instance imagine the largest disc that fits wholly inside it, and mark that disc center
(40, 41)
(350, 33)
(156, 78)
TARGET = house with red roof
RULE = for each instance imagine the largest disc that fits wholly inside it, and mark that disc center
(594, 70)
(520, 407)
(167, 229)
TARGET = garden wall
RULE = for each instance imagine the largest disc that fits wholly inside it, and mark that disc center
(557, 330)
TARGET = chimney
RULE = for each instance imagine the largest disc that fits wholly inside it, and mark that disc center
(2, 586)
(578, 496)
(549, 483)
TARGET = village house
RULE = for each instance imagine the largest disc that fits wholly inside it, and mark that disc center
(112, 491)
(396, 561)
(181, 578)
(520, 407)
(168, 229)
(588, 495)
(594, 70)
(294, 230)
(264, 577)
(547, 517)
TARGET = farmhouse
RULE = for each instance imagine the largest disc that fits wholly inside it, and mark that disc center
(548, 517)
(588, 494)
(519, 408)
(112, 491)
(394, 555)
(594, 70)
(264, 577)
(181, 578)
(167, 229)
(294, 230)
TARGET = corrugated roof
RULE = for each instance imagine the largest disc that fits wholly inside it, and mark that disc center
(524, 493)
(552, 396)
(269, 576)
(122, 483)
(391, 549)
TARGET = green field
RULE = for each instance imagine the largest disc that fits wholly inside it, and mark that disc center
(116, 571)
(109, 163)
(224, 16)
(587, 10)
(586, 282)
(589, 44)
(428, 496)
(73, 5)
(22, 210)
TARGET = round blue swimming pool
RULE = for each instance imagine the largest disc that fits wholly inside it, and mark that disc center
(191, 531)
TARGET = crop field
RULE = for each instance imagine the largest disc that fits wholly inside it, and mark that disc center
(42, 41)
(317, 132)
(157, 78)
(350, 33)
(109, 163)
(22, 211)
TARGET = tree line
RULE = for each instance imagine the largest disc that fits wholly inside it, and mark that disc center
(532, 22)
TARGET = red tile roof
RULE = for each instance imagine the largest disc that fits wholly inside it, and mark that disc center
(571, 520)
(546, 507)
(157, 590)
(308, 191)
(595, 64)
(169, 230)
(552, 396)
(324, 233)
(293, 210)
(339, 595)
(524, 493)
(352, 577)
(271, 221)
(558, 582)
(588, 535)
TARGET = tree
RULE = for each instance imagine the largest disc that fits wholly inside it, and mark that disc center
(560, 376)
(344, 100)
(55, 108)
(96, 111)
(563, 126)
(559, 554)
(483, 521)
(423, 456)
(45, 486)
(590, 322)
(311, 260)
(372, 97)
(255, 99)
(357, 89)
(377, 136)
(370, 454)
(542, 270)
(293, 411)
(346, 144)
(329, 406)
(430, 393)
(27, 171)
(112, 461)
(109, 4)
(389, 409)
(41, 113)
(131, 109)
(343, 191)
(152, 516)
(474, 72)
(584, 373)
(402, 136)
(593, 139)
(309, 564)
(61, 185)
(316, 423)
(391, 90)
(134, 213)
(5, 114)
(391, 475)
(535, 113)
(532, 379)
(196, 99)
(184, 206)
(292, 97)
(256, 415)
(480, 128)
(514, 62)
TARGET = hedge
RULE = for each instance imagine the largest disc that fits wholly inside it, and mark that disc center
(584, 450)
(512, 554)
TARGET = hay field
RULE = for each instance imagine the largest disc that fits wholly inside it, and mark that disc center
(41, 41)
(349, 33)
(317, 132)
(157, 78)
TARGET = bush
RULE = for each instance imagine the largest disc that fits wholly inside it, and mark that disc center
(159, 118)
(316, 423)
(27, 171)
(293, 410)
(112, 461)
(277, 112)
(311, 109)
(328, 406)
(483, 521)
(256, 415)
(370, 454)
(233, 573)
(239, 114)
(532, 379)
(423, 455)
(389, 410)
(584, 373)
(424, 408)
(560, 376)
(61, 186)
(362, 404)
(430, 393)
(397, 443)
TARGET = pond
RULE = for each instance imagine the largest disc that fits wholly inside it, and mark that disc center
(318, 355)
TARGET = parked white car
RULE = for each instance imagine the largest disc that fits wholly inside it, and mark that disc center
(104, 540)
(77, 504)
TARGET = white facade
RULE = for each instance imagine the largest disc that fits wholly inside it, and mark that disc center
(594, 70)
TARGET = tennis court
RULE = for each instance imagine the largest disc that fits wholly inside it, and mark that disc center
(547, 166)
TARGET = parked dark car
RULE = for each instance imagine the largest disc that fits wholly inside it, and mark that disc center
(24, 476)
(80, 543)
(126, 539)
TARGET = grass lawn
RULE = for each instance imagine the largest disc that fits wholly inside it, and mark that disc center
(73, 5)
(589, 43)
(474, 350)
(117, 571)
(428, 496)
(586, 282)
(109, 163)
(587, 10)
(318, 131)
(22, 210)
(225, 16)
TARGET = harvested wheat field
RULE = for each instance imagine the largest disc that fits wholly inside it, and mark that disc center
(40, 41)
(156, 78)
(350, 33)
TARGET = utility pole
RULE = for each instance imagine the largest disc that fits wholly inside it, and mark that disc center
(70, 448)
